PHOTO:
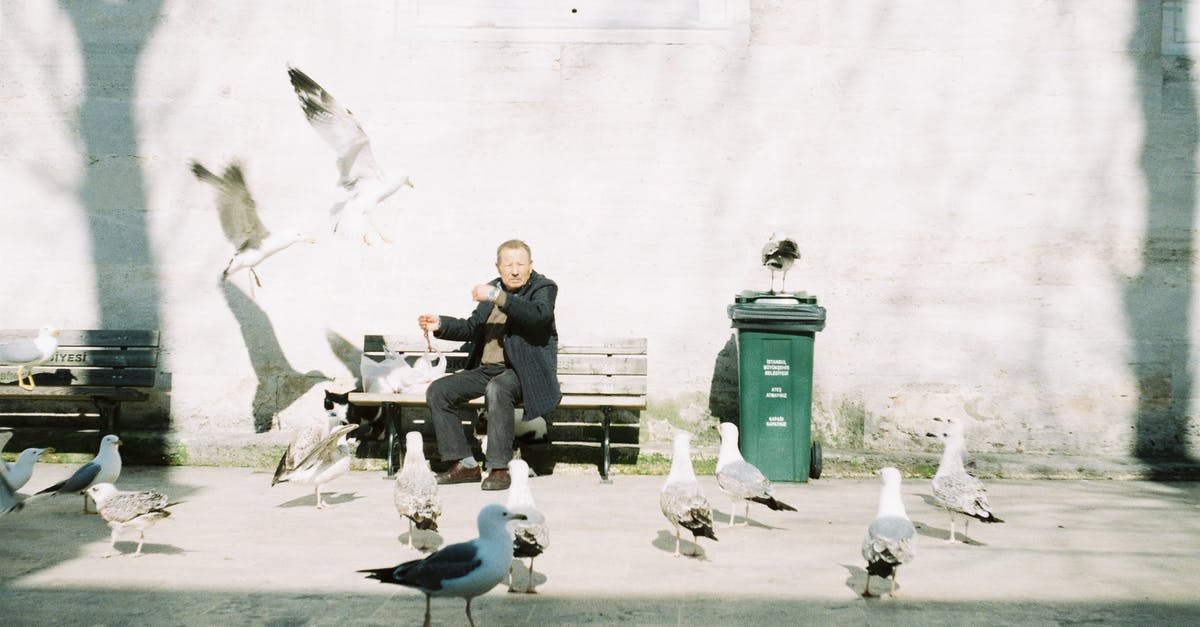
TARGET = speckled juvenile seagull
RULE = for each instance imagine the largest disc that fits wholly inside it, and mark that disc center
(530, 536)
(466, 569)
(128, 511)
(317, 455)
(891, 538)
(252, 242)
(415, 492)
(740, 479)
(681, 500)
(365, 183)
(953, 488)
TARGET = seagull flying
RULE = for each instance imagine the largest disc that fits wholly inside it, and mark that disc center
(366, 185)
(19, 472)
(10, 501)
(778, 255)
(954, 489)
(415, 491)
(128, 511)
(682, 501)
(891, 538)
(241, 224)
(27, 352)
(104, 468)
(740, 479)
(317, 455)
(466, 569)
(530, 536)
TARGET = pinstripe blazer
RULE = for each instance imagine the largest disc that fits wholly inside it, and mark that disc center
(530, 340)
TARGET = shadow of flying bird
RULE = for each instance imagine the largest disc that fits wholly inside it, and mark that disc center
(279, 384)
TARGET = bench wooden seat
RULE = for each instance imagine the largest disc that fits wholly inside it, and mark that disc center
(105, 367)
(604, 391)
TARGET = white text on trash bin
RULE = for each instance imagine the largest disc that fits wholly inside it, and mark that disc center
(776, 368)
(776, 393)
(776, 421)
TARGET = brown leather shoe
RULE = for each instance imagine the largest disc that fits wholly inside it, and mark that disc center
(460, 474)
(498, 479)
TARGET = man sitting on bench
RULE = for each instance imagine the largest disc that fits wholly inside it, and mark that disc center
(514, 359)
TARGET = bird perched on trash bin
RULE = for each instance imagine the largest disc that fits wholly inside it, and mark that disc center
(252, 242)
(953, 488)
(681, 500)
(128, 511)
(105, 467)
(778, 255)
(317, 455)
(415, 491)
(891, 538)
(465, 569)
(365, 183)
(530, 536)
(28, 352)
(740, 479)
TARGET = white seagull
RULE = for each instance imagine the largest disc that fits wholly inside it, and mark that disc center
(466, 569)
(530, 536)
(366, 185)
(891, 538)
(682, 501)
(104, 468)
(252, 242)
(740, 479)
(415, 492)
(778, 255)
(20, 471)
(10, 501)
(317, 455)
(128, 511)
(955, 490)
(28, 352)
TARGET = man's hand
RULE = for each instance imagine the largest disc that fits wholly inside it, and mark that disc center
(428, 322)
(484, 293)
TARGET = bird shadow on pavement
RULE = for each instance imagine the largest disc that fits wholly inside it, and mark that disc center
(666, 542)
(423, 540)
(147, 549)
(723, 518)
(857, 581)
(310, 500)
(522, 579)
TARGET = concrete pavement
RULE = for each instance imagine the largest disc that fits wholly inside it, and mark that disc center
(240, 552)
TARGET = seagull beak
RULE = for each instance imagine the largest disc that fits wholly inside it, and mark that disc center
(48, 450)
(517, 516)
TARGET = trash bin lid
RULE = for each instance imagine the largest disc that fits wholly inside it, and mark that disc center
(777, 311)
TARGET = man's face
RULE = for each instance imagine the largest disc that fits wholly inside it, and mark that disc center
(514, 267)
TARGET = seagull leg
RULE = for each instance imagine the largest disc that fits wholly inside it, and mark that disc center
(529, 584)
(746, 517)
(85, 502)
(893, 591)
(410, 533)
(966, 521)
(427, 610)
(676, 540)
(469, 619)
(733, 504)
(112, 544)
(867, 590)
(255, 275)
(141, 541)
(30, 377)
(320, 502)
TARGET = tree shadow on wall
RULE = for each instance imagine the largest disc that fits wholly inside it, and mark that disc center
(279, 384)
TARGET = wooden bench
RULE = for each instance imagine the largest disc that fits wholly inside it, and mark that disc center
(105, 367)
(604, 392)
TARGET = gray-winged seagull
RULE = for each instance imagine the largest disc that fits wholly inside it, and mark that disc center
(740, 479)
(891, 538)
(682, 501)
(530, 536)
(104, 468)
(128, 511)
(10, 501)
(27, 352)
(21, 470)
(366, 185)
(953, 488)
(466, 569)
(415, 491)
(317, 455)
(252, 242)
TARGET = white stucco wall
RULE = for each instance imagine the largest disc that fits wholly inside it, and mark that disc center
(965, 179)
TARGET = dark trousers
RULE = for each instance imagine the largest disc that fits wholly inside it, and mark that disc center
(501, 390)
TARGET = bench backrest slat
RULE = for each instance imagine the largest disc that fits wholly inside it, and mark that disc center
(72, 357)
(91, 357)
(97, 338)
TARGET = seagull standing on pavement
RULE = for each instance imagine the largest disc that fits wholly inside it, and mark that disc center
(953, 488)
(681, 500)
(252, 242)
(20, 471)
(530, 536)
(466, 569)
(740, 479)
(317, 455)
(778, 255)
(28, 352)
(104, 468)
(128, 511)
(415, 492)
(891, 538)
(365, 183)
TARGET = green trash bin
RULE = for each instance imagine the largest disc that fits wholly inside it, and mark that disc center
(775, 334)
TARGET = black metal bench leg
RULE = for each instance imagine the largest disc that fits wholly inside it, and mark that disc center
(110, 414)
(391, 414)
(605, 446)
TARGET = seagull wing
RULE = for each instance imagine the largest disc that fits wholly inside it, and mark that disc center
(327, 449)
(9, 501)
(78, 481)
(338, 127)
(20, 351)
(237, 208)
(451, 562)
(126, 506)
